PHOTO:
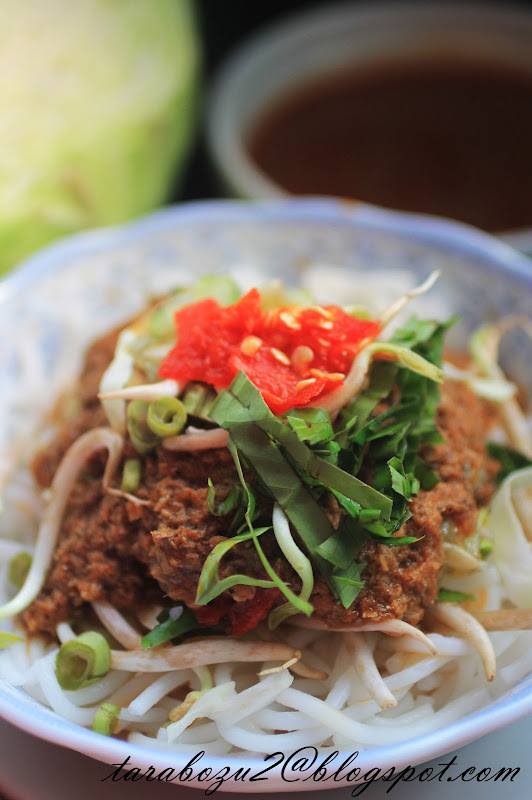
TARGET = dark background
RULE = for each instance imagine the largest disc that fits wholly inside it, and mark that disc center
(224, 25)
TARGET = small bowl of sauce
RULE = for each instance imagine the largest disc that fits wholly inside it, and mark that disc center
(421, 109)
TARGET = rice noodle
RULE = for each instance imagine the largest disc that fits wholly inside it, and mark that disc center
(361, 686)
(157, 690)
(57, 698)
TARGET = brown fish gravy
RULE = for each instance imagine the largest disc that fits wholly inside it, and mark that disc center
(444, 137)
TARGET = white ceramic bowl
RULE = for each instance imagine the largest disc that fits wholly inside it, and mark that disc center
(71, 291)
(311, 44)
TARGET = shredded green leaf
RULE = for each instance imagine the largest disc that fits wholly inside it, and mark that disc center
(232, 501)
(301, 458)
(210, 585)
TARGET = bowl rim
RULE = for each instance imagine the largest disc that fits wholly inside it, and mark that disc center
(39, 721)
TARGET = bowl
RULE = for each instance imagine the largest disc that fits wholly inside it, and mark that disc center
(313, 46)
(55, 303)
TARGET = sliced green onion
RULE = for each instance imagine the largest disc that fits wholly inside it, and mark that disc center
(82, 660)
(166, 416)
(450, 596)
(106, 719)
(485, 547)
(131, 475)
(162, 324)
(198, 400)
(194, 398)
(8, 639)
(19, 566)
(143, 438)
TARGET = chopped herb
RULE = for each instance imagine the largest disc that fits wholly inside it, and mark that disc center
(450, 596)
(300, 457)
(509, 458)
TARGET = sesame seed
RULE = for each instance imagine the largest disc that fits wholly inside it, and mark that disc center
(325, 324)
(301, 358)
(303, 384)
(323, 312)
(289, 320)
(317, 373)
(280, 356)
(336, 376)
(250, 345)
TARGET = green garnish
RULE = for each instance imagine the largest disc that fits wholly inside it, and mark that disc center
(233, 500)
(450, 596)
(485, 548)
(173, 623)
(131, 475)
(299, 458)
(144, 440)
(509, 458)
(210, 585)
(18, 569)
(198, 400)
(82, 660)
(106, 719)
(166, 416)
(8, 639)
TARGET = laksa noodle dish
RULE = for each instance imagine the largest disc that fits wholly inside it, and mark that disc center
(264, 523)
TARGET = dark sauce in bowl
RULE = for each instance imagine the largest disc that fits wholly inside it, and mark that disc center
(439, 136)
